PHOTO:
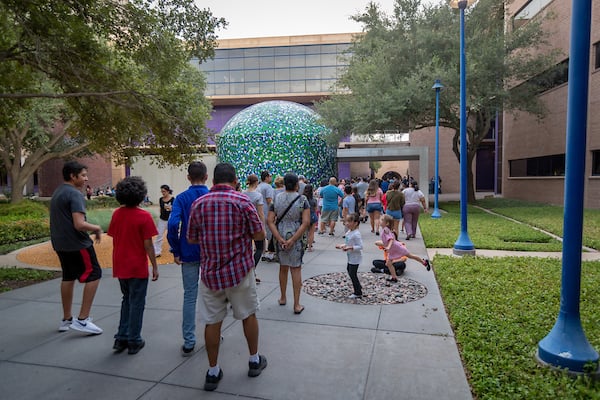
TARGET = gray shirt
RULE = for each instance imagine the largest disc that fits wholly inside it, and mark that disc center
(267, 193)
(255, 197)
(362, 187)
(64, 237)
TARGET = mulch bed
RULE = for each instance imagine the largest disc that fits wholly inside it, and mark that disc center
(44, 255)
(376, 290)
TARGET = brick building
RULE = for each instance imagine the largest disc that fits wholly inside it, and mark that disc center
(534, 151)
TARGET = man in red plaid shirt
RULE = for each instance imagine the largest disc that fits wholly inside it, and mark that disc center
(224, 223)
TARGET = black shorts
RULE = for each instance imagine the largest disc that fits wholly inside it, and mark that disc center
(81, 265)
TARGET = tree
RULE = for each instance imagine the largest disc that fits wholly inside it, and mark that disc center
(394, 64)
(101, 76)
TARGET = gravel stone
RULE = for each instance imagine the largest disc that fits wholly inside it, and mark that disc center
(376, 290)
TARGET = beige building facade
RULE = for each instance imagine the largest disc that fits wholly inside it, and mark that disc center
(534, 151)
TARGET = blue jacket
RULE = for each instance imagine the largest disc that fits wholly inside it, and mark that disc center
(178, 223)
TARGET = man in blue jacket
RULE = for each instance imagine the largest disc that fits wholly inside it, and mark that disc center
(185, 254)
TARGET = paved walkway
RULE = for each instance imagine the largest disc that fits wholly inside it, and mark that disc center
(330, 351)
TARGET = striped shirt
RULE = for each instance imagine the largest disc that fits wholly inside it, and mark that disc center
(223, 222)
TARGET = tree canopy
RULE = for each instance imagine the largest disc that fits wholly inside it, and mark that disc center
(101, 76)
(395, 63)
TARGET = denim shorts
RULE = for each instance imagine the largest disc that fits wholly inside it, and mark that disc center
(373, 207)
(396, 214)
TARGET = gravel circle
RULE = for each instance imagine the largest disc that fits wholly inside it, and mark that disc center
(337, 287)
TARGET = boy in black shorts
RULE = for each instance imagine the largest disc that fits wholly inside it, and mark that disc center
(71, 241)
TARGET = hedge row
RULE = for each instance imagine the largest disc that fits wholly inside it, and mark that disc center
(24, 229)
(23, 221)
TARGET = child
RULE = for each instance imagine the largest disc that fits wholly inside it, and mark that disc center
(396, 250)
(132, 229)
(380, 267)
(353, 248)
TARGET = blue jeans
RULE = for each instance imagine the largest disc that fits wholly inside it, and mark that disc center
(132, 309)
(190, 273)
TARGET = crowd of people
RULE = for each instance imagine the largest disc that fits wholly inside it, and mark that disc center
(218, 236)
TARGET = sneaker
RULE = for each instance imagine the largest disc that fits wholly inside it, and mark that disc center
(255, 368)
(427, 264)
(65, 324)
(354, 296)
(187, 351)
(86, 326)
(135, 348)
(119, 345)
(212, 382)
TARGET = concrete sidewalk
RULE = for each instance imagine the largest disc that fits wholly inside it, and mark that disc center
(330, 351)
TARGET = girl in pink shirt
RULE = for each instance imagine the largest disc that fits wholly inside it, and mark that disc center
(395, 249)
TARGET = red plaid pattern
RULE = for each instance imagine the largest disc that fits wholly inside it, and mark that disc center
(223, 222)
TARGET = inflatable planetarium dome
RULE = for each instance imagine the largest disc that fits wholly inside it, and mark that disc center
(278, 136)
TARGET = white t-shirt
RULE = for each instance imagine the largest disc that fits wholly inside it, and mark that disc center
(412, 196)
(354, 239)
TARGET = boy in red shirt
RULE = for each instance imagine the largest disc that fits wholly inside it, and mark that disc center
(132, 229)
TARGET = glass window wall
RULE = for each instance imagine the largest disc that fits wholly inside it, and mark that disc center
(278, 69)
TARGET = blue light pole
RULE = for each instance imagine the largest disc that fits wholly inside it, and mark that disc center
(463, 244)
(566, 345)
(437, 86)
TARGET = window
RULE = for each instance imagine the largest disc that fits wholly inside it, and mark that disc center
(267, 75)
(282, 74)
(528, 11)
(236, 76)
(553, 165)
(596, 55)
(547, 80)
(282, 87)
(595, 162)
(267, 62)
(251, 75)
(275, 69)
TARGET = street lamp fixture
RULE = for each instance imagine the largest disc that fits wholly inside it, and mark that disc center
(463, 245)
(437, 86)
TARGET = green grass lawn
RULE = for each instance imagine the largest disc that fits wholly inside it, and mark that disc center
(486, 231)
(548, 218)
(500, 308)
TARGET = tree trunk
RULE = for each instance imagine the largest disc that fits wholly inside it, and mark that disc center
(470, 181)
(17, 186)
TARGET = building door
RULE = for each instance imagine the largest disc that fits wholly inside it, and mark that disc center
(484, 181)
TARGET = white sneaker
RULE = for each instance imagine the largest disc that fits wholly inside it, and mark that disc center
(354, 296)
(65, 324)
(86, 326)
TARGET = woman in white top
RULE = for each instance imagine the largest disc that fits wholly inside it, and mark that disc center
(413, 200)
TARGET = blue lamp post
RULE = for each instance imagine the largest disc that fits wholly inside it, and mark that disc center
(437, 86)
(566, 345)
(463, 245)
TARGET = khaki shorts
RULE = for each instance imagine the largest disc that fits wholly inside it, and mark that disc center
(330, 215)
(212, 304)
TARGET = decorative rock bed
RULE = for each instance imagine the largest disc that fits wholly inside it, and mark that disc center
(376, 290)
